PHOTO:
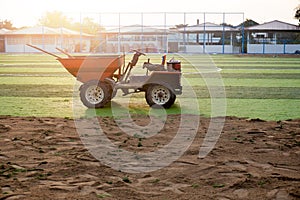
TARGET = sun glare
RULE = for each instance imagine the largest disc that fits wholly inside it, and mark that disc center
(31, 10)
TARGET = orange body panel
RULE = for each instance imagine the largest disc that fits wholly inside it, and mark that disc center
(86, 68)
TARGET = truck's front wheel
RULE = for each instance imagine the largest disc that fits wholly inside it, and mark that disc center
(159, 96)
(95, 94)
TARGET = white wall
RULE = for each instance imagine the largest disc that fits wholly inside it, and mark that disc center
(211, 49)
(22, 48)
(291, 48)
(271, 48)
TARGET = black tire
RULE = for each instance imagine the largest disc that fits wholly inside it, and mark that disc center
(158, 96)
(95, 94)
(113, 93)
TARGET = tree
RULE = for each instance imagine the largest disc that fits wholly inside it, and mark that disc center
(178, 26)
(88, 26)
(243, 41)
(248, 23)
(228, 25)
(297, 14)
(55, 19)
(7, 25)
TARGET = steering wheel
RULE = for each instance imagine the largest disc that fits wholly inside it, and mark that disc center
(136, 57)
(138, 52)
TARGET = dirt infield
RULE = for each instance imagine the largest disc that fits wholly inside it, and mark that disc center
(44, 158)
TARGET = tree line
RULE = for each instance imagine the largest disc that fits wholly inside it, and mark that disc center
(57, 19)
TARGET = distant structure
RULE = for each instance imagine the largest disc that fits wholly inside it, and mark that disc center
(209, 38)
(125, 38)
(44, 37)
(275, 37)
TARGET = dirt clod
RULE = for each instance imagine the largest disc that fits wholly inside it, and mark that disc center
(47, 160)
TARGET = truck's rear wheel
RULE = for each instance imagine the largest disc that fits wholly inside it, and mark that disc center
(159, 96)
(95, 94)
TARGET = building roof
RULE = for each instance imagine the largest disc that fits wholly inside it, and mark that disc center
(274, 26)
(205, 27)
(138, 29)
(66, 31)
(43, 30)
(4, 31)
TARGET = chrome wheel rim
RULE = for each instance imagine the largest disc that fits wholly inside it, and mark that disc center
(94, 94)
(160, 95)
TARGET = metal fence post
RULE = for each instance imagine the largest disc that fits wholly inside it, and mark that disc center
(204, 33)
(80, 34)
(264, 46)
(119, 34)
(43, 37)
(184, 30)
(165, 33)
(142, 35)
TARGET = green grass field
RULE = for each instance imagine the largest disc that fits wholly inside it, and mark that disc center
(263, 87)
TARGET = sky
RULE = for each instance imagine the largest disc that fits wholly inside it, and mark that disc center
(28, 12)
